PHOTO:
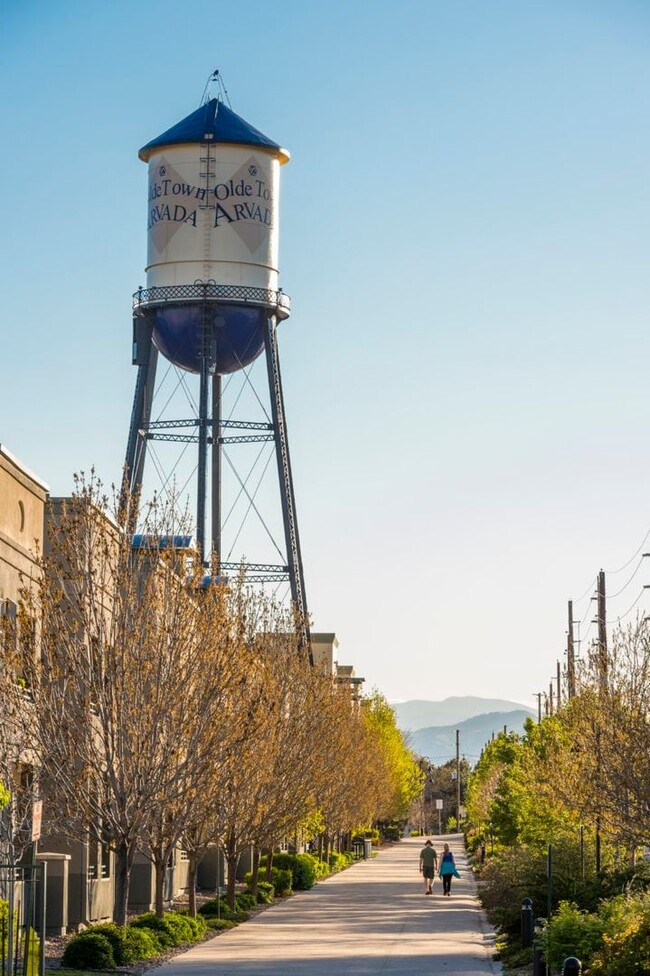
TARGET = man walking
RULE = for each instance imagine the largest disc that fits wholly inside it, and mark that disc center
(428, 865)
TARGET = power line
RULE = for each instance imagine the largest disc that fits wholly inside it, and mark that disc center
(613, 572)
(625, 586)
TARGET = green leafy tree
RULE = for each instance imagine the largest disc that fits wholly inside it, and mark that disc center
(404, 780)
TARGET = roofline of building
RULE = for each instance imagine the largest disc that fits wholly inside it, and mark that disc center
(5, 452)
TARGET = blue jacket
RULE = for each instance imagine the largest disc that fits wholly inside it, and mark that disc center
(447, 865)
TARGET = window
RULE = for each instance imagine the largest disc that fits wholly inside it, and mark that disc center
(8, 626)
(99, 855)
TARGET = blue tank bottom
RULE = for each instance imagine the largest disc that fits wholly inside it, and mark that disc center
(238, 333)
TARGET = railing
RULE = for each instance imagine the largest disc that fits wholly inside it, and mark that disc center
(159, 295)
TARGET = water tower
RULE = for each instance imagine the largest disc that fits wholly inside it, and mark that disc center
(211, 306)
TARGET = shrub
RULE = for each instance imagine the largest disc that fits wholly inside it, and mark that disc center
(303, 867)
(116, 935)
(139, 944)
(284, 861)
(160, 928)
(197, 924)
(213, 907)
(338, 861)
(571, 932)
(323, 869)
(180, 926)
(88, 951)
(392, 832)
(625, 949)
(282, 881)
(244, 901)
(265, 892)
(219, 924)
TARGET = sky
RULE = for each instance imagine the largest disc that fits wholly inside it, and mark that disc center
(464, 236)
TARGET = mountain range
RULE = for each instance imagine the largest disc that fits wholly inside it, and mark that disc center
(431, 725)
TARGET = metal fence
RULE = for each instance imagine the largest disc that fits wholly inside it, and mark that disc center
(22, 919)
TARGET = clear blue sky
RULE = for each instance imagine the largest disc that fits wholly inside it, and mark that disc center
(465, 231)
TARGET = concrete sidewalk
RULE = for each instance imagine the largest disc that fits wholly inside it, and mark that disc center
(371, 919)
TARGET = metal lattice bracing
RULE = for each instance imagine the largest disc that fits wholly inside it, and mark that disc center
(209, 433)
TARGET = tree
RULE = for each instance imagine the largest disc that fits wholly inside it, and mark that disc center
(609, 725)
(402, 778)
(19, 786)
(207, 728)
(125, 651)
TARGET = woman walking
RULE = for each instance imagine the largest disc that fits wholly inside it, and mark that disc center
(447, 870)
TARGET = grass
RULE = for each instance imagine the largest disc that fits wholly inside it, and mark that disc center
(66, 972)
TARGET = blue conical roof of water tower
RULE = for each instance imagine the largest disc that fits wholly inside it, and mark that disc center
(214, 122)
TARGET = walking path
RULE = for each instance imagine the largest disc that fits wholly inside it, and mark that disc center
(371, 919)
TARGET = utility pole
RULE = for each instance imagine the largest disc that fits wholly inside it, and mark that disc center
(550, 698)
(570, 656)
(558, 681)
(602, 632)
(538, 696)
(458, 779)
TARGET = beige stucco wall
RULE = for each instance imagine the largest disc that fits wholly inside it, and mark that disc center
(22, 507)
(323, 650)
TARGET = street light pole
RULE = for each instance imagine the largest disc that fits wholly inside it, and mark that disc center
(458, 779)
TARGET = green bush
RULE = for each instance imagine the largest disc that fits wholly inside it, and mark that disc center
(303, 867)
(160, 928)
(339, 861)
(392, 832)
(88, 950)
(323, 869)
(283, 861)
(571, 932)
(282, 881)
(139, 944)
(625, 949)
(116, 935)
(265, 892)
(244, 901)
(197, 924)
(180, 926)
(218, 924)
(265, 889)
(212, 907)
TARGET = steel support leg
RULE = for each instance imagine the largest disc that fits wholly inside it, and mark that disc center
(201, 488)
(294, 557)
(146, 358)
(216, 472)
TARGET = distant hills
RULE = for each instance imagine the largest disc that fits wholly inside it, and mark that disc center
(431, 725)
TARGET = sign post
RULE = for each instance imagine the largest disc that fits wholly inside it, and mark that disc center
(439, 809)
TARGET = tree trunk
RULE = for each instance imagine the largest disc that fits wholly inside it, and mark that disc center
(232, 860)
(320, 847)
(160, 865)
(269, 864)
(123, 861)
(255, 870)
(192, 869)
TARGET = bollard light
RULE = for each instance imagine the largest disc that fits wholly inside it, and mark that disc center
(571, 966)
(526, 923)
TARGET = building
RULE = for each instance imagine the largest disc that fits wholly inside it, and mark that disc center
(324, 649)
